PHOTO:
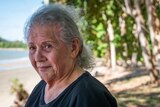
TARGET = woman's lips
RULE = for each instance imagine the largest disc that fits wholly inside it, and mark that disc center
(43, 68)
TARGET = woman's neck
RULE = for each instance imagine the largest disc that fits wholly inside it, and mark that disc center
(53, 90)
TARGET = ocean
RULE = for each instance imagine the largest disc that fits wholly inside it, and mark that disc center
(8, 58)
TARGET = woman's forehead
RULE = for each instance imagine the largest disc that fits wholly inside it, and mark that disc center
(45, 31)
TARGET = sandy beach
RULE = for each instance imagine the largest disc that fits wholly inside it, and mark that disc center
(26, 75)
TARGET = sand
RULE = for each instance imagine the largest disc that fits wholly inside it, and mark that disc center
(27, 76)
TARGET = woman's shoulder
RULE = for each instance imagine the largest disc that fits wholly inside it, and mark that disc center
(88, 81)
(87, 84)
(38, 87)
(89, 89)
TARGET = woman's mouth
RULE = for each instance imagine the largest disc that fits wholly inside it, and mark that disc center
(44, 68)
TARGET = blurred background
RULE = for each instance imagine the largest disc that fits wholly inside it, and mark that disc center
(124, 36)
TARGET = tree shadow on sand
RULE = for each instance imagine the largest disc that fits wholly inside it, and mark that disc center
(133, 89)
(139, 98)
(133, 73)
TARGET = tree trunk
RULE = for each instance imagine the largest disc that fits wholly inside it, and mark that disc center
(151, 16)
(112, 46)
(128, 9)
(147, 55)
(134, 60)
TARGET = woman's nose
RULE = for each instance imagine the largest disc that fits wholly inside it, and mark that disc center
(39, 57)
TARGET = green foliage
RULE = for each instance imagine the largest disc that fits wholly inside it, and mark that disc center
(16, 86)
(17, 44)
(11, 44)
(21, 94)
(94, 26)
(96, 14)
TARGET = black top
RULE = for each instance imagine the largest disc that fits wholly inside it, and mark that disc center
(86, 91)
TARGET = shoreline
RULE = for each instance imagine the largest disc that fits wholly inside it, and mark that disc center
(12, 64)
(15, 49)
(27, 76)
(13, 55)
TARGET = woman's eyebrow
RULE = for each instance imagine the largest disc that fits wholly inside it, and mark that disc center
(30, 43)
(50, 41)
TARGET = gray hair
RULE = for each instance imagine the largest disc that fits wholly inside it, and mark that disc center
(65, 17)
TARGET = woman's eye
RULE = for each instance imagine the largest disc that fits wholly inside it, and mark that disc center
(32, 49)
(48, 46)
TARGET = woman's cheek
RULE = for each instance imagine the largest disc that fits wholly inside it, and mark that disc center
(32, 61)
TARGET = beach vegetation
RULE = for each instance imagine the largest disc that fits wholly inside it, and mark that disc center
(20, 93)
(11, 44)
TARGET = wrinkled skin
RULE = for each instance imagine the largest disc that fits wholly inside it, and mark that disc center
(51, 58)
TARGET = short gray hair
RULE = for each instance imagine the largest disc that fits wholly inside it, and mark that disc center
(65, 17)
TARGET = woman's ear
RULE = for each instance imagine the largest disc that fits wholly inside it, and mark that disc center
(75, 47)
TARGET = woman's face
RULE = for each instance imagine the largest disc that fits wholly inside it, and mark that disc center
(50, 57)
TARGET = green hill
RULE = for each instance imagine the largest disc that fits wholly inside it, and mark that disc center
(2, 40)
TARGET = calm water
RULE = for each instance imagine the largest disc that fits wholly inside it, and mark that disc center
(13, 56)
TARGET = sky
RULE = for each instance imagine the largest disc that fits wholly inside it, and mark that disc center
(13, 15)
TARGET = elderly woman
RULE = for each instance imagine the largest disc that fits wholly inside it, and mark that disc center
(58, 54)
